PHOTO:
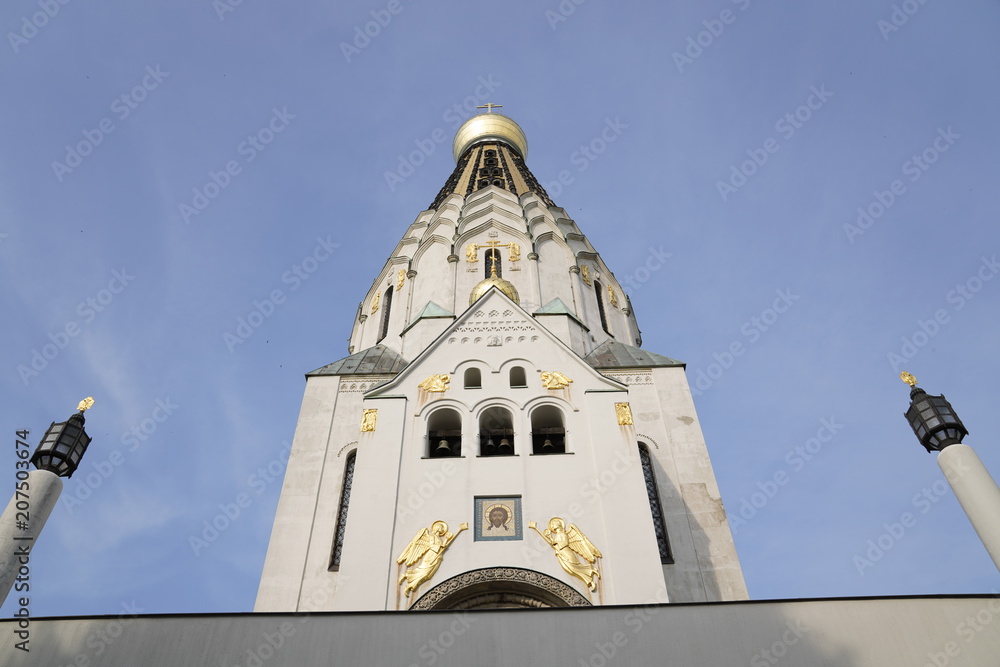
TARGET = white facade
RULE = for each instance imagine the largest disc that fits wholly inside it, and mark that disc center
(569, 316)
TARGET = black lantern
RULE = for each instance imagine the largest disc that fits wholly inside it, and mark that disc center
(62, 447)
(934, 421)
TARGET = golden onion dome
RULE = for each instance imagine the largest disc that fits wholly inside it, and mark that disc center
(494, 281)
(490, 127)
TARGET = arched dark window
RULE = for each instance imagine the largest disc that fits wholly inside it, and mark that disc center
(473, 378)
(496, 432)
(659, 526)
(493, 259)
(345, 499)
(444, 433)
(548, 431)
(386, 307)
(517, 377)
(599, 290)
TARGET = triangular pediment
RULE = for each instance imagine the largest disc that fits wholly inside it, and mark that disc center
(495, 330)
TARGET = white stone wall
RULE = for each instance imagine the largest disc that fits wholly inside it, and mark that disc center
(598, 484)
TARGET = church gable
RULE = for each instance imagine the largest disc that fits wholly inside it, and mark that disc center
(493, 334)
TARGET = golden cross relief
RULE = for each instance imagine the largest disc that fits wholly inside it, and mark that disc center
(472, 250)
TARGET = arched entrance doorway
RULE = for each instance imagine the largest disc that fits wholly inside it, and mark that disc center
(500, 588)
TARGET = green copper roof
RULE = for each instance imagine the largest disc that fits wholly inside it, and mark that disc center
(612, 354)
(429, 311)
(557, 307)
(374, 360)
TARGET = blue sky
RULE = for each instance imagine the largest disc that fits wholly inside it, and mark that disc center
(748, 134)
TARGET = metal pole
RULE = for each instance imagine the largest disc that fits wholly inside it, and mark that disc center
(976, 491)
(19, 528)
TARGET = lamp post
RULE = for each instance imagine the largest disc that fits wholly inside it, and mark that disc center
(939, 429)
(36, 493)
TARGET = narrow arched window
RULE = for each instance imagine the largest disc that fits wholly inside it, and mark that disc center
(473, 378)
(659, 526)
(386, 307)
(493, 260)
(345, 499)
(518, 378)
(599, 290)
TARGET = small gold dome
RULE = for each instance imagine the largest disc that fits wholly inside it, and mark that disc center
(490, 126)
(499, 283)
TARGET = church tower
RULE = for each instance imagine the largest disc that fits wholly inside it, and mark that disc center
(496, 436)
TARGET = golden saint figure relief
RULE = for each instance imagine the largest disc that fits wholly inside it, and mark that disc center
(375, 301)
(515, 252)
(570, 544)
(585, 272)
(436, 383)
(908, 379)
(554, 380)
(368, 419)
(624, 412)
(472, 253)
(423, 556)
(612, 297)
(400, 279)
(86, 404)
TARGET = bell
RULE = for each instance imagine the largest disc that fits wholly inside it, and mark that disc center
(443, 448)
(505, 448)
(490, 447)
(547, 446)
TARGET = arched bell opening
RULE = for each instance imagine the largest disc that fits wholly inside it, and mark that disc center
(496, 432)
(444, 433)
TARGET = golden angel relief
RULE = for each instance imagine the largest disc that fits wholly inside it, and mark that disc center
(554, 380)
(423, 556)
(436, 383)
(571, 545)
